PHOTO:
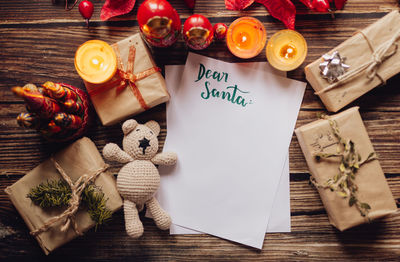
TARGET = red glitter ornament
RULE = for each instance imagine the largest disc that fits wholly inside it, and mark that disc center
(198, 32)
(220, 30)
(159, 23)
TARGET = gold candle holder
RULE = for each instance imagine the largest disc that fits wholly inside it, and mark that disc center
(286, 50)
(246, 37)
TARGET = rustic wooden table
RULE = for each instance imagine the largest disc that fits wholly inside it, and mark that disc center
(37, 43)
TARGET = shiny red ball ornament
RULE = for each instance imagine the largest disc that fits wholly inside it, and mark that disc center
(220, 30)
(198, 32)
(159, 23)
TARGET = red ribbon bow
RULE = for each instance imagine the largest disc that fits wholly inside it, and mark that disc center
(127, 78)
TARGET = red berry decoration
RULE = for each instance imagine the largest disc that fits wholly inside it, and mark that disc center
(86, 9)
(339, 4)
(220, 30)
(190, 3)
(198, 32)
(159, 23)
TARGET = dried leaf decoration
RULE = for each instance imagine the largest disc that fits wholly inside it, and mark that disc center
(307, 3)
(283, 10)
(343, 183)
(237, 4)
(113, 8)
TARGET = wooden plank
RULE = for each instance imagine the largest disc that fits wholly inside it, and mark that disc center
(22, 149)
(311, 239)
(304, 197)
(53, 59)
(376, 100)
(42, 11)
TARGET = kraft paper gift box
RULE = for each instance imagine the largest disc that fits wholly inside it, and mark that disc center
(81, 157)
(318, 137)
(114, 103)
(373, 57)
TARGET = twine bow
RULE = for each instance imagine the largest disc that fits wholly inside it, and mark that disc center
(73, 205)
(127, 77)
(382, 53)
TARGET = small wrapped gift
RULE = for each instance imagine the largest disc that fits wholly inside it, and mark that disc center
(342, 164)
(78, 164)
(359, 64)
(137, 86)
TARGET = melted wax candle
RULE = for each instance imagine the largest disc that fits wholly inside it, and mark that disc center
(246, 37)
(286, 50)
(95, 61)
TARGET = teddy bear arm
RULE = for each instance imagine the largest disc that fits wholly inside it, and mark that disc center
(165, 158)
(113, 152)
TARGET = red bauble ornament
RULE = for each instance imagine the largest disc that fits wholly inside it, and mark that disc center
(159, 23)
(220, 30)
(198, 32)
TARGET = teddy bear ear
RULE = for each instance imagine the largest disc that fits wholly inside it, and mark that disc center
(154, 126)
(128, 126)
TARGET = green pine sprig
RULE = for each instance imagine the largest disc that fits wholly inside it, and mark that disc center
(95, 201)
(57, 193)
(54, 193)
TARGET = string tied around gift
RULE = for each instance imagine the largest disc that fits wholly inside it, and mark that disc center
(344, 183)
(77, 187)
(383, 52)
(127, 78)
(379, 56)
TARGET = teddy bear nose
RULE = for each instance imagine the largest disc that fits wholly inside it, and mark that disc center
(144, 143)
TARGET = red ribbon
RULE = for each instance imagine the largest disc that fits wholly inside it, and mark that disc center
(127, 78)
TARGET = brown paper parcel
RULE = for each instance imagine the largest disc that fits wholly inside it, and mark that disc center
(373, 189)
(77, 159)
(358, 50)
(112, 104)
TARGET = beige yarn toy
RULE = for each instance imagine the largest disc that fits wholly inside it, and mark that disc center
(139, 179)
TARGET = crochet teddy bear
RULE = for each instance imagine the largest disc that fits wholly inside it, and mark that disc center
(139, 179)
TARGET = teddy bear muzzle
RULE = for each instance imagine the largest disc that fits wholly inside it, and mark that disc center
(144, 143)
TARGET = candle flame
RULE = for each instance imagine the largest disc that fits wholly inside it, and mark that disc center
(288, 51)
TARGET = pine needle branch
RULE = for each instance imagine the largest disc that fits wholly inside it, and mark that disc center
(57, 193)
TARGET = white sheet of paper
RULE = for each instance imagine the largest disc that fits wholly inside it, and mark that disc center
(231, 148)
(279, 222)
(280, 217)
